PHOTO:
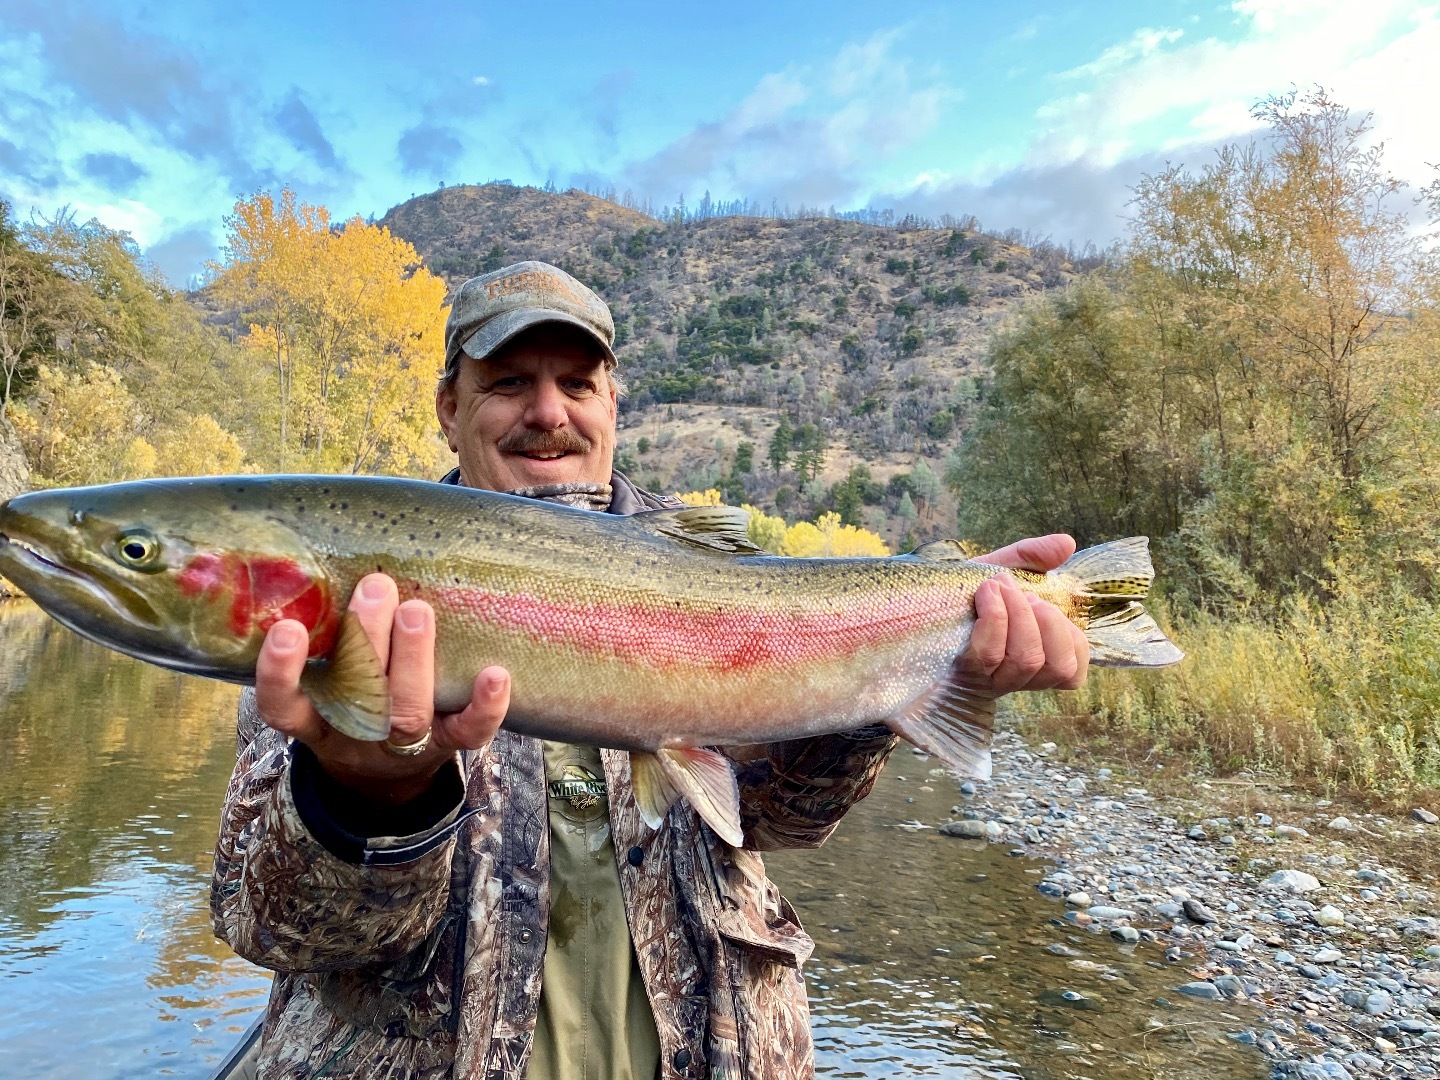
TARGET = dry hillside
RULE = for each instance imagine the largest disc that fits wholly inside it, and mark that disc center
(871, 336)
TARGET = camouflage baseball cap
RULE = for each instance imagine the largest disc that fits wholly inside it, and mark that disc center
(491, 309)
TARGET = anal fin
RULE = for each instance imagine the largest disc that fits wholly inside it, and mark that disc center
(704, 777)
(1129, 637)
(350, 689)
(954, 724)
(654, 793)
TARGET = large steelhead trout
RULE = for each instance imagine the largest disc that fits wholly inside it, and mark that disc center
(662, 634)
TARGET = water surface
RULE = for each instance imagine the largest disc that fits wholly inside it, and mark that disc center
(933, 955)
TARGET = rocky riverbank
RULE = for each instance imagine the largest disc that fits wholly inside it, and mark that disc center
(1291, 914)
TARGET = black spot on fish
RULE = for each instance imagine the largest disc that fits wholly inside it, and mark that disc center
(344, 506)
(325, 491)
(234, 507)
(437, 534)
(412, 536)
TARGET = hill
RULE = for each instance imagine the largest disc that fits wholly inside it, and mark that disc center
(867, 338)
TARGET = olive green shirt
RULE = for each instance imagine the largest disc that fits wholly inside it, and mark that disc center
(595, 1021)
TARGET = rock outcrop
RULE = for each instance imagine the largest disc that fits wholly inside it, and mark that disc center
(14, 478)
(14, 472)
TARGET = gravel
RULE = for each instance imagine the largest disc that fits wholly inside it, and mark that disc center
(1331, 959)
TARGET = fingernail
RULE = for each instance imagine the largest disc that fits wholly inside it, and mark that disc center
(411, 618)
(286, 636)
(373, 588)
(493, 685)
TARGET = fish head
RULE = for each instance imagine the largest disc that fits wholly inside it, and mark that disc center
(172, 572)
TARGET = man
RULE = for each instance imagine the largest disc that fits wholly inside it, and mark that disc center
(460, 901)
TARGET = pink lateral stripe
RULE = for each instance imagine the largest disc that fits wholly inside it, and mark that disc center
(723, 641)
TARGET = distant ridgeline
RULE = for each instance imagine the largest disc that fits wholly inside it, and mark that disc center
(868, 337)
(725, 302)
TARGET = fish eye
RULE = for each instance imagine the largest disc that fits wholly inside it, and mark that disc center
(138, 549)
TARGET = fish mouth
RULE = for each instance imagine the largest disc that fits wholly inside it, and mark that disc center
(31, 557)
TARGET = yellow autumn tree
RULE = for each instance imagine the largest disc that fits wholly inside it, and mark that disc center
(197, 446)
(766, 530)
(350, 326)
(78, 427)
(829, 539)
(710, 497)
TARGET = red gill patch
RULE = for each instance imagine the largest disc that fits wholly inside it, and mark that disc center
(262, 590)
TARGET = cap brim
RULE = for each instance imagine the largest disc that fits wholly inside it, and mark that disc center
(503, 328)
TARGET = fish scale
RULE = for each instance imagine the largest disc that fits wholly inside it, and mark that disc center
(664, 633)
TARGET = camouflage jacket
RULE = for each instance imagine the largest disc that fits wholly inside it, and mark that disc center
(420, 956)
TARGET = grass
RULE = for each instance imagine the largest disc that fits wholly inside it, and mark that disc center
(1344, 699)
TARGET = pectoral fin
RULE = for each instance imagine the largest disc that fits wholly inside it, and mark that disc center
(705, 778)
(350, 689)
(954, 724)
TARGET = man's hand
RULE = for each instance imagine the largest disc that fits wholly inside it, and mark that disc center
(404, 638)
(1019, 641)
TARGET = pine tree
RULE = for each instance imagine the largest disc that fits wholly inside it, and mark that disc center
(781, 444)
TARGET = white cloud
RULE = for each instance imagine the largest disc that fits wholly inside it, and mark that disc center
(480, 80)
(1166, 95)
(812, 134)
(1161, 90)
(1142, 43)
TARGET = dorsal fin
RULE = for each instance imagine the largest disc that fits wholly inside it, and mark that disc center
(716, 530)
(941, 551)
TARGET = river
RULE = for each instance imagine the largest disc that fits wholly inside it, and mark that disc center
(934, 957)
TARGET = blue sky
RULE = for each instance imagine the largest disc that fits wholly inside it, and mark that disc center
(155, 116)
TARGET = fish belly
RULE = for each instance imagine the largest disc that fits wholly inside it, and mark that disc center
(697, 678)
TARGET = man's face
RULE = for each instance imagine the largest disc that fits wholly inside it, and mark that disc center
(539, 411)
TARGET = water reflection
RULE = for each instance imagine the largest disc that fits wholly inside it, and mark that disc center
(934, 956)
(111, 774)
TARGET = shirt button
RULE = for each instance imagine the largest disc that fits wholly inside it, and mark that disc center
(525, 935)
(682, 1058)
(635, 856)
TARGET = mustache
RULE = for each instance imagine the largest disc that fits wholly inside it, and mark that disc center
(530, 441)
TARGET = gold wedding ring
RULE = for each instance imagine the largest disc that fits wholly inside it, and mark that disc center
(408, 749)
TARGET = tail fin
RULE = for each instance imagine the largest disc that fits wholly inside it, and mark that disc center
(1115, 577)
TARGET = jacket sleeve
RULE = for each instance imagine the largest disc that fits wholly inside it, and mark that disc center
(285, 900)
(793, 794)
